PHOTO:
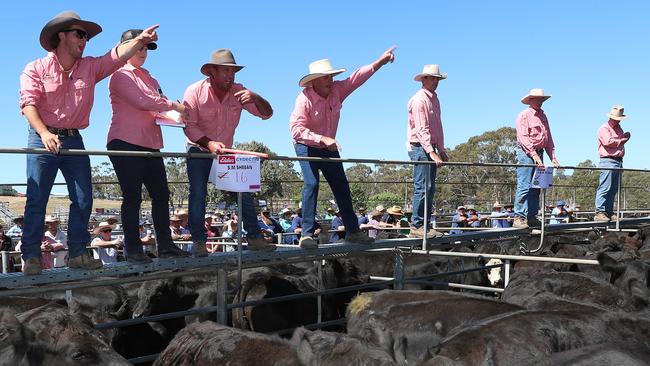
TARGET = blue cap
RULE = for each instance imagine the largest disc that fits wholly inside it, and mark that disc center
(561, 203)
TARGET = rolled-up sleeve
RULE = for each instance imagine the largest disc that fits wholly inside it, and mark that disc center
(31, 87)
(300, 132)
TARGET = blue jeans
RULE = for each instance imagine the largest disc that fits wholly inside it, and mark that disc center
(608, 186)
(420, 185)
(41, 172)
(526, 198)
(335, 176)
(198, 171)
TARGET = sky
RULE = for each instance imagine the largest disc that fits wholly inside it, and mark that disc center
(588, 55)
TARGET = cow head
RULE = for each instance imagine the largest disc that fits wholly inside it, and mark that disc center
(494, 274)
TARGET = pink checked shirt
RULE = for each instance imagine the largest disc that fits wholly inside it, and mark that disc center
(424, 124)
(65, 102)
(136, 97)
(212, 118)
(315, 116)
(533, 132)
(610, 140)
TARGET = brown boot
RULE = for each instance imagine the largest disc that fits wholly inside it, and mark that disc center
(85, 262)
(358, 237)
(260, 244)
(199, 249)
(32, 267)
(418, 232)
(613, 217)
(307, 242)
(602, 217)
(520, 223)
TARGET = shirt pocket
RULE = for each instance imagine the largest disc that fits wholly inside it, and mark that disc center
(53, 95)
(81, 89)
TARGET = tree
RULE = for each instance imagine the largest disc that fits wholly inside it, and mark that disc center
(359, 175)
(102, 174)
(177, 172)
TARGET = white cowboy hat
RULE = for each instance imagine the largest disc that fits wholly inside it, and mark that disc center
(430, 70)
(534, 93)
(617, 113)
(51, 218)
(103, 225)
(497, 204)
(317, 69)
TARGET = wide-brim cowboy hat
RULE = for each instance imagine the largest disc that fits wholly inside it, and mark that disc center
(50, 33)
(617, 113)
(19, 217)
(534, 93)
(430, 70)
(285, 210)
(51, 218)
(395, 210)
(375, 213)
(319, 69)
(497, 205)
(220, 57)
(175, 218)
(131, 34)
(103, 225)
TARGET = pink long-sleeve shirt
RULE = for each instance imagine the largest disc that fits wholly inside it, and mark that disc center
(533, 132)
(610, 140)
(136, 97)
(212, 118)
(65, 101)
(424, 123)
(314, 116)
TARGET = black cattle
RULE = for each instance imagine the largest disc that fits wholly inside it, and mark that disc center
(333, 349)
(208, 343)
(415, 325)
(610, 353)
(631, 276)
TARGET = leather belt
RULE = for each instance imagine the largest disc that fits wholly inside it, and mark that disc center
(64, 131)
(617, 158)
(417, 144)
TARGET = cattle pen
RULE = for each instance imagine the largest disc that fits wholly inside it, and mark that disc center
(57, 280)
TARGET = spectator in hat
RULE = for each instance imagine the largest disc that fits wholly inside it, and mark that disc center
(106, 248)
(473, 217)
(136, 100)
(147, 239)
(56, 97)
(559, 214)
(175, 229)
(329, 214)
(498, 216)
(5, 241)
(285, 219)
(215, 106)
(337, 227)
(362, 219)
(392, 217)
(313, 126)
(57, 240)
(211, 231)
(459, 220)
(611, 149)
(534, 137)
(269, 226)
(373, 224)
(426, 142)
(16, 231)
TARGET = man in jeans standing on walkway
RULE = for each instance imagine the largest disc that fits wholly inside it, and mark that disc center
(313, 126)
(215, 104)
(426, 142)
(534, 137)
(611, 149)
(56, 96)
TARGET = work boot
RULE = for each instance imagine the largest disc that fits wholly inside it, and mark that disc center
(307, 242)
(418, 232)
(534, 222)
(138, 258)
(172, 251)
(32, 267)
(85, 262)
(359, 237)
(199, 249)
(602, 217)
(613, 217)
(520, 223)
(260, 244)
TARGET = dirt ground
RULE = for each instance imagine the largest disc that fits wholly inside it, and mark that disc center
(60, 204)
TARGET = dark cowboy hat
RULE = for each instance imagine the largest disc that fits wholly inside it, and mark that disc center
(222, 57)
(132, 33)
(49, 34)
(19, 217)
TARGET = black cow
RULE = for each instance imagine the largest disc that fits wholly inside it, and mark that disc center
(610, 353)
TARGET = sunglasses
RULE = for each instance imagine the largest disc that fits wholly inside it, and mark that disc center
(106, 230)
(78, 32)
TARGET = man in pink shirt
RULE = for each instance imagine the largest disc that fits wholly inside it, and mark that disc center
(56, 96)
(534, 137)
(215, 106)
(426, 142)
(611, 149)
(313, 126)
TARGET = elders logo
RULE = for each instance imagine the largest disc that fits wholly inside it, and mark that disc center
(226, 160)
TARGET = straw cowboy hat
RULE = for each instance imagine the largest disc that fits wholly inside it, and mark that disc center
(132, 33)
(317, 69)
(534, 93)
(395, 210)
(221, 57)
(617, 113)
(380, 208)
(50, 33)
(430, 70)
(497, 205)
(175, 218)
(51, 218)
(375, 213)
(102, 226)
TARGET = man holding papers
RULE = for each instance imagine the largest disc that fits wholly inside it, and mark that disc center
(136, 99)
(215, 106)
(534, 137)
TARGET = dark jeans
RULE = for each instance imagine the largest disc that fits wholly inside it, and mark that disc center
(335, 176)
(41, 172)
(132, 172)
(420, 185)
(526, 198)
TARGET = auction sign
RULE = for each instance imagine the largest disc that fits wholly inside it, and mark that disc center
(236, 173)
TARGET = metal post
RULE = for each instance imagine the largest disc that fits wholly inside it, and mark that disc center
(6, 262)
(240, 227)
(425, 226)
(541, 234)
(319, 298)
(222, 302)
(398, 270)
(68, 297)
(506, 273)
(618, 201)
